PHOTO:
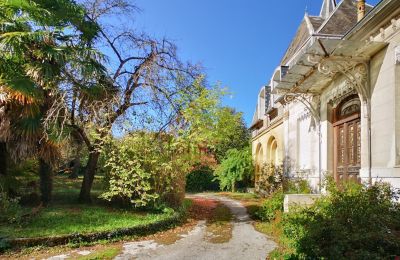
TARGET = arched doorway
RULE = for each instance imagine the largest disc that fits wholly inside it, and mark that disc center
(347, 139)
(273, 151)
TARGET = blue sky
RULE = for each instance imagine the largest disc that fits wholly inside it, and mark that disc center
(239, 42)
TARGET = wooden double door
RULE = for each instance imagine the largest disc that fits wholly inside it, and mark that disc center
(348, 149)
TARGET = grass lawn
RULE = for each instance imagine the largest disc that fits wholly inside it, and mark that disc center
(66, 216)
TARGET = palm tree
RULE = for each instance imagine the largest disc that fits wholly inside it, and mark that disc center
(39, 40)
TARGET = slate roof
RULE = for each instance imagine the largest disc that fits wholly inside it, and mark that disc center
(341, 20)
(316, 21)
(302, 35)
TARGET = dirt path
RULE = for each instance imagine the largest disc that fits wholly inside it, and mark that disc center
(245, 242)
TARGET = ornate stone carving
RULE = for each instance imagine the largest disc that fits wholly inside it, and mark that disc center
(340, 92)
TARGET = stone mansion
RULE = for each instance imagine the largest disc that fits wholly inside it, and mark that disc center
(332, 106)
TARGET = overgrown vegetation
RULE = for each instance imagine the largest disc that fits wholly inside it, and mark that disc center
(145, 170)
(351, 222)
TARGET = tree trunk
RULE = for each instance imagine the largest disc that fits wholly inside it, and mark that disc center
(3, 159)
(88, 177)
(46, 182)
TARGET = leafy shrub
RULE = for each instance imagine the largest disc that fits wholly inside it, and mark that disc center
(235, 169)
(274, 202)
(201, 179)
(20, 176)
(352, 222)
(10, 210)
(271, 206)
(144, 170)
(297, 186)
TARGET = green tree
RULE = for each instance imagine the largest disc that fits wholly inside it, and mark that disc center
(237, 167)
(147, 167)
(233, 132)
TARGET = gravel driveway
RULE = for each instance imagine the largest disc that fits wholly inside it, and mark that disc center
(246, 243)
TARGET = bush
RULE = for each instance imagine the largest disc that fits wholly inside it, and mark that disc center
(353, 222)
(271, 206)
(10, 210)
(274, 202)
(144, 170)
(271, 178)
(201, 179)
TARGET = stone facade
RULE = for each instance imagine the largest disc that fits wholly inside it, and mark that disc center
(332, 107)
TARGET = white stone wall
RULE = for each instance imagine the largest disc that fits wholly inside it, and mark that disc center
(300, 145)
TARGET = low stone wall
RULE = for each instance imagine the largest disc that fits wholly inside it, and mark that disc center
(296, 200)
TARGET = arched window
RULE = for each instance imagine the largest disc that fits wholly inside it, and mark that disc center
(348, 107)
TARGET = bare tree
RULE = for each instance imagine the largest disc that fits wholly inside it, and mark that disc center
(143, 80)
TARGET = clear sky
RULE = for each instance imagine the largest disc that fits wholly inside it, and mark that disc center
(239, 42)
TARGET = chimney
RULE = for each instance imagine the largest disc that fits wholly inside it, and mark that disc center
(360, 9)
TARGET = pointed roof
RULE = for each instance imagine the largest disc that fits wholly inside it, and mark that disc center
(327, 8)
(302, 35)
(335, 19)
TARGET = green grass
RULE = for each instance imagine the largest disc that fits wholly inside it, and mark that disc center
(240, 196)
(66, 216)
(64, 220)
(251, 201)
(109, 253)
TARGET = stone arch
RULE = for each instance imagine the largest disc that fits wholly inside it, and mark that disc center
(273, 152)
(259, 161)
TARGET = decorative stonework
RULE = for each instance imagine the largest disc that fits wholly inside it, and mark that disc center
(340, 92)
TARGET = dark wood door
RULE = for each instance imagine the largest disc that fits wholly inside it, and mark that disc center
(348, 150)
